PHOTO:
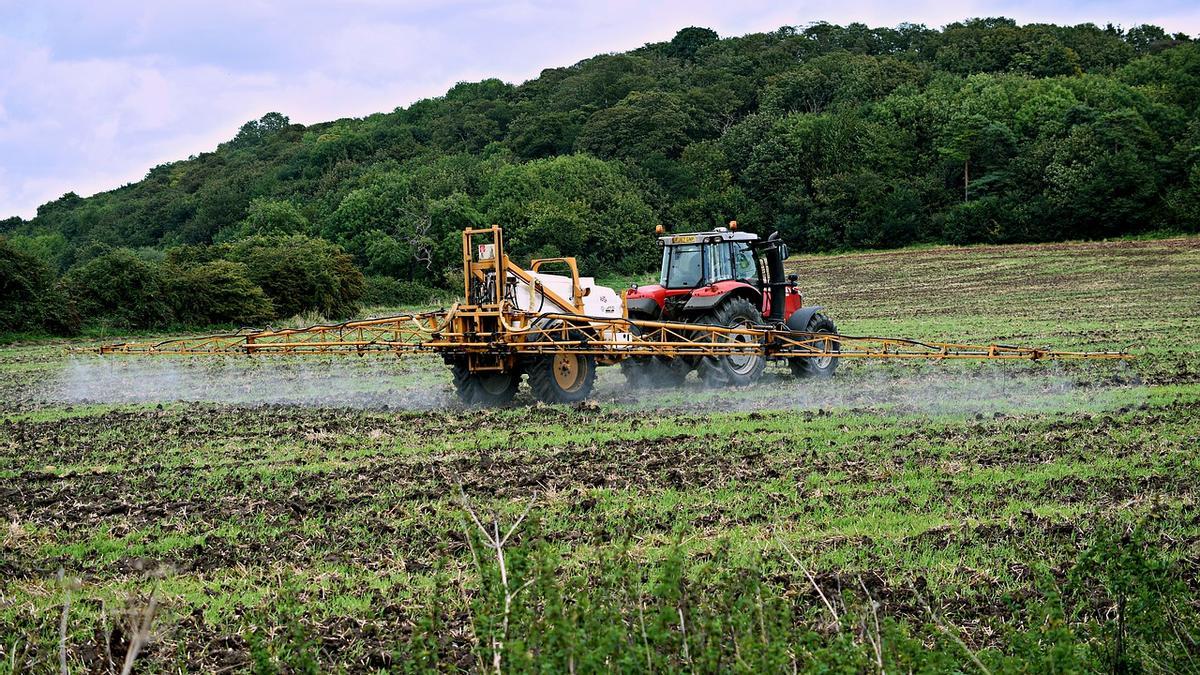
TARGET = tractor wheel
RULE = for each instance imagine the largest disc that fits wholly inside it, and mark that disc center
(484, 389)
(822, 366)
(562, 377)
(736, 370)
(654, 372)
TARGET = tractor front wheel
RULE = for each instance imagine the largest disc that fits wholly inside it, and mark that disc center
(654, 372)
(818, 366)
(735, 370)
(562, 377)
(484, 388)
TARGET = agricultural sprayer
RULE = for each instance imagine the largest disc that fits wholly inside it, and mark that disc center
(723, 307)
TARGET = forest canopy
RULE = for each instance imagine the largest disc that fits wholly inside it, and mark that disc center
(839, 137)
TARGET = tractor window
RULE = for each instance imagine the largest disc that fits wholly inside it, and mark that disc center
(720, 264)
(744, 265)
(682, 267)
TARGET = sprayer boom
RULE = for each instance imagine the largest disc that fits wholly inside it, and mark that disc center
(558, 329)
(524, 333)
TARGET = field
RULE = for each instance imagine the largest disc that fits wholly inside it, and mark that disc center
(318, 515)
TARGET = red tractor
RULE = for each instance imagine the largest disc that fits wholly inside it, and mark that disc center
(727, 278)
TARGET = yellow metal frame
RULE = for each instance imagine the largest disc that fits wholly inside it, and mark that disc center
(493, 335)
(611, 340)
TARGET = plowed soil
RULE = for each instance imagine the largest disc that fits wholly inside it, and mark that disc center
(222, 487)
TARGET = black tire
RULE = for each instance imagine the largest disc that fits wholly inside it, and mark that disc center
(654, 372)
(562, 377)
(819, 368)
(732, 371)
(486, 388)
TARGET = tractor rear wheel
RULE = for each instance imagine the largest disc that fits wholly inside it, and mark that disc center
(562, 377)
(484, 388)
(735, 370)
(820, 366)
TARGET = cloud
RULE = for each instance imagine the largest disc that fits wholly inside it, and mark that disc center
(92, 95)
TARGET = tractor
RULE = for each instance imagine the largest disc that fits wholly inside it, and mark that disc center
(724, 277)
(723, 306)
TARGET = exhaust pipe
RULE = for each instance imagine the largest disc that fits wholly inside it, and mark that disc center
(774, 251)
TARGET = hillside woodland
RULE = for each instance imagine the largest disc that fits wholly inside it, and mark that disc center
(838, 137)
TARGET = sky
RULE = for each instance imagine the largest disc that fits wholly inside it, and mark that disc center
(94, 94)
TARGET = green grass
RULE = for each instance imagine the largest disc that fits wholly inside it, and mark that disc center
(334, 536)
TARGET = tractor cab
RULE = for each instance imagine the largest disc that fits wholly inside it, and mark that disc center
(700, 270)
(693, 260)
(723, 278)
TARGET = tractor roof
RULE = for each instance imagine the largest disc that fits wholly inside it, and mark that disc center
(719, 234)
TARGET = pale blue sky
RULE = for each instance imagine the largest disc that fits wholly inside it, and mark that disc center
(93, 94)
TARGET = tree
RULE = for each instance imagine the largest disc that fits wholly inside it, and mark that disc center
(866, 210)
(218, 291)
(839, 78)
(792, 155)
(269, 217)
(1173, 75)
(640, 126)
(574, 205)
(533, 135)
(120, 288)
(300, 274)
(394, 223)
(688, 41)
(1145, 38)
(24, 281)
(1046, 56)
(256, 131)
(972, 138)
(1099, 181)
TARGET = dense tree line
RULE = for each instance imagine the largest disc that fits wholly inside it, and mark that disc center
(839, 137)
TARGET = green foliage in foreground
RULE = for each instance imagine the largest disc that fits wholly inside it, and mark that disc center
(839, 137)
(1122, 608)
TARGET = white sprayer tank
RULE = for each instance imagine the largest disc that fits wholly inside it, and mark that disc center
(600, 301)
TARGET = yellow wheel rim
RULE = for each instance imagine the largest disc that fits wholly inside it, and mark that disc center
(567, 370)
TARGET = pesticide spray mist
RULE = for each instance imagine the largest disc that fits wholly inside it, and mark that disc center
(369, 383)
(423, 383)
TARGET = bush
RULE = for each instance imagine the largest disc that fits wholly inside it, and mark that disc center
(60, 313)
(23, 281)
(121, 289)
(975, 222)
(387, 291)
(218, 292)
(300, 274)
